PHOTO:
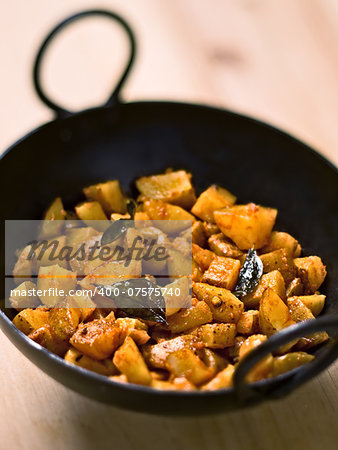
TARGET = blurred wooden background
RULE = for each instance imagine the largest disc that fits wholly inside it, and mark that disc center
(273, 59)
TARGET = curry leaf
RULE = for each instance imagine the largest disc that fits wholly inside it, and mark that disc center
(131, 207)
(249, 275)
(137, 297)
(114, 231)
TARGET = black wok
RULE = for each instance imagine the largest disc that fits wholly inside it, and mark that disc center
(256, 161)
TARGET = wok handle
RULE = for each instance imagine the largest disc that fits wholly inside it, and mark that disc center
(249, 393)
(113, 99)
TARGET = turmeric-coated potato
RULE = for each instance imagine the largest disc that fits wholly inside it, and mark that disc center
(212, 199)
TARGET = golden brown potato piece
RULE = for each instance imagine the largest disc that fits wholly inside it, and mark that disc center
(63, 322)
(89, 211)
(186, 363)
(198, 234)
(54, 220)
(274, 281)
(210, 229)
(25, 266)
(223, 247)
(22, 296)
(188, 318)
(311, 271)
(159, 210)
(109, 195)
(263, 368)
(299, 313)
(225, 306)
(248, 322)
(247, 225)
(282, 364)
(222, 272)
(156, 355)
(202, 257)
(217, 335)
(97, 339)
(134, 328)
(105, 367)
(54, 284)
(197, 272)
(233, 352)
(130, 363)
(280, 260)
(210, 200)
(176, 295)
(213, 359)
(176, 384)
(279, 239)
(30, 320)
(222, 380)
(173, 187)
(274, 315)
(45, 338)
(314, 302)
(48, 254)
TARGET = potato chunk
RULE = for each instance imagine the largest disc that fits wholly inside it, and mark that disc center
(202, 256)
(159, 210)
(134, 328)
(280, 260)
(63, 322)
(173, 187)
(54, 282)
(222, 380)
(97, 339)
(188, 318)
(24, 267)
(89, 211)
(247, 225)
(279, 239)
(282, 364)
(225, 306)
(222, 272)
(109, 195)
(217, 335)
(198, 234)
(20, 297)
(105, 367)
(314, 302)
(223, 247)
(29, 320)
(186, 363)
(248, 322)
(54, 219)
(263, 368)
(273, 280)
(311, 271)
(274, 315)
(210, 200)
(130, 362)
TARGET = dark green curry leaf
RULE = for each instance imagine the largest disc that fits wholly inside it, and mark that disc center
(137, 297)
(131, 207)
(249, 275)
(119, 227)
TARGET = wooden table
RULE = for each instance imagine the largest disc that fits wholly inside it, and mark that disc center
(275, 59)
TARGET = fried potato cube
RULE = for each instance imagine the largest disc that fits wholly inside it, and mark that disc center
(186, 363)
(104, 367)
(20, 297)
(202, 256)
(197, 272)
(273, 280)
(89, 211)
(279, 239)
(222, 272)
(222, 380)
(198, 234)
(176, 384)
(248, 322)
(44, 337)
(30, 320)
(285, 363)
(233, 352)
(217, 335)
(247, 225)
(130, 362)
(48, 254)
(173, 187)
(54, 219)
(176, 295)
(210, 229)
(295, 288)
(189, 318)
(109, 195)
(77, 236)
(264, 367)
(212, 359)
(156, 355)
(179, 264)
(225, 306)
(300, 312)
(314, 302)
(159, 210)
(63, 322)
(311, 271)
(274, 315)
(210, 200)
(134, 328)
(83, 302)
(223, 247)
(25, 265)
(280, 260)
(97, 339)
(54, 282)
